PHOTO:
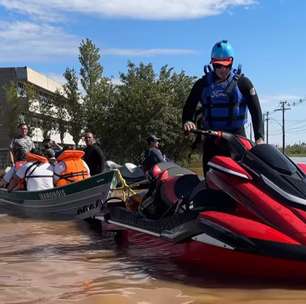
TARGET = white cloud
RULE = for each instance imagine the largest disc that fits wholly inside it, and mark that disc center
(42, 39)
(25, 41)
(116, 81)
(138, 9)
(22, 41)
(147, 52)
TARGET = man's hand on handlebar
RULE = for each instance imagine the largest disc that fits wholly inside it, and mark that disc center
(259, 141)
(188, 126)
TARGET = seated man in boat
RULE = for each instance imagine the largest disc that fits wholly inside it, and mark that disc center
(70, 168)
(49, 145)
(50, 154)
(36, 172)
(20, 159)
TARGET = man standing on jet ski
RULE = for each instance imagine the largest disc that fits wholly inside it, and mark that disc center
(225, 95)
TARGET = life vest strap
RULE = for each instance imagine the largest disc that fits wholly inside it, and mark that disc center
(230, 92)
(72, 174)
(37, 176)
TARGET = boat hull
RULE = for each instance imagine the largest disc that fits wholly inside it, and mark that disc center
(216, 261)
(78, 200)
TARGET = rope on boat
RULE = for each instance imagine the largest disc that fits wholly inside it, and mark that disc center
(126, 190)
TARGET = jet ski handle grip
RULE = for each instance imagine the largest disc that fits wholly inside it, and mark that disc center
(207, 132)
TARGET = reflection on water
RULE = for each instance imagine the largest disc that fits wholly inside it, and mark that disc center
(66, 262)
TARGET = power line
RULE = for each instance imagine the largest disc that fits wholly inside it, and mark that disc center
(283, 108)
(266, 119)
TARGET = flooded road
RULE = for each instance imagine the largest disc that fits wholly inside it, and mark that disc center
(67, 262)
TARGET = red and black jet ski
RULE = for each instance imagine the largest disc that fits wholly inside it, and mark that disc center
(247, 218)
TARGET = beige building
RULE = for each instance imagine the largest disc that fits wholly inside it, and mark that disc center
(45, 87)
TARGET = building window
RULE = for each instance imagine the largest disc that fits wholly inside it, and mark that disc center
(21, 90)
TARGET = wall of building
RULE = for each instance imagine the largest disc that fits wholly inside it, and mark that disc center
(42, 83)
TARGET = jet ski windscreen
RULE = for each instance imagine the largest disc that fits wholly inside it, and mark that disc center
(273, 157)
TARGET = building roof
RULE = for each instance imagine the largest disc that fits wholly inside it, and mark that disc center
(27, 74)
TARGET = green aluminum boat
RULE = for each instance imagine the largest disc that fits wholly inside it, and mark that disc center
(79, 200)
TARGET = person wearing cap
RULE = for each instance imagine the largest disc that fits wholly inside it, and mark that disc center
(225, 95)
(152, 155)
(48, 144)
(50, 154)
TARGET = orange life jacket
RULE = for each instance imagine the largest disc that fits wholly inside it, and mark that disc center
(21, 183)
(75, 169)
(31, 157)
(36, 160)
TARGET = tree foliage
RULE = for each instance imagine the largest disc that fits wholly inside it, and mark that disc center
(96, 87)
(74, 105)
(16, 107)
(147, 103)
(122, 115)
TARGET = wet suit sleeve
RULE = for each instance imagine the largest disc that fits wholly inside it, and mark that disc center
(192, 100)
(100, 158)
(248, 91)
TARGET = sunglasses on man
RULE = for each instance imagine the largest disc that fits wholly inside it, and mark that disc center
(220, 66)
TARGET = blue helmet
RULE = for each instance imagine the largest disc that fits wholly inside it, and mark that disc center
(222, 50)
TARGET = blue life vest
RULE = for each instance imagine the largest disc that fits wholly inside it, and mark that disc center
(224, 107)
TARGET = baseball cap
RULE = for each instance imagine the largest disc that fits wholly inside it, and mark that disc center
(152, 138)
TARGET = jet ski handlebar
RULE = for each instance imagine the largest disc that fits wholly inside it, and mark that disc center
(210, 133)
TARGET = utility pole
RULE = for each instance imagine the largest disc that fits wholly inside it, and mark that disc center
(266, 118)
(283, 109)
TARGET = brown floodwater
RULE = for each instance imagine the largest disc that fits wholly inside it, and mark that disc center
(68, 262)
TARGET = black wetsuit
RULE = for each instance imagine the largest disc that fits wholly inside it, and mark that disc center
(247, 90)
(94, 158)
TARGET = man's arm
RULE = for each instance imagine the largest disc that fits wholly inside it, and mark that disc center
(192, 100)
(248, 91)
(13, 183)
(157, 155)
(100, 157)
(11, 156)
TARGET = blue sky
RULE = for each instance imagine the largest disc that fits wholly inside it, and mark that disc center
(268, 37)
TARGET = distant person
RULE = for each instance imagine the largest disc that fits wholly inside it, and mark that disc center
(70, 147)
(21, 141)
(51, 156)
(152, 155)
(48, 144)
(70, 168)
(37, 174)
(94, 156)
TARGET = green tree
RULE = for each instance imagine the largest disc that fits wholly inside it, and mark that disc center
(148, 103)
(43, 109)
(73, 105)
(18, 107)
(91, 79)
(99, 91)
(60, 114)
